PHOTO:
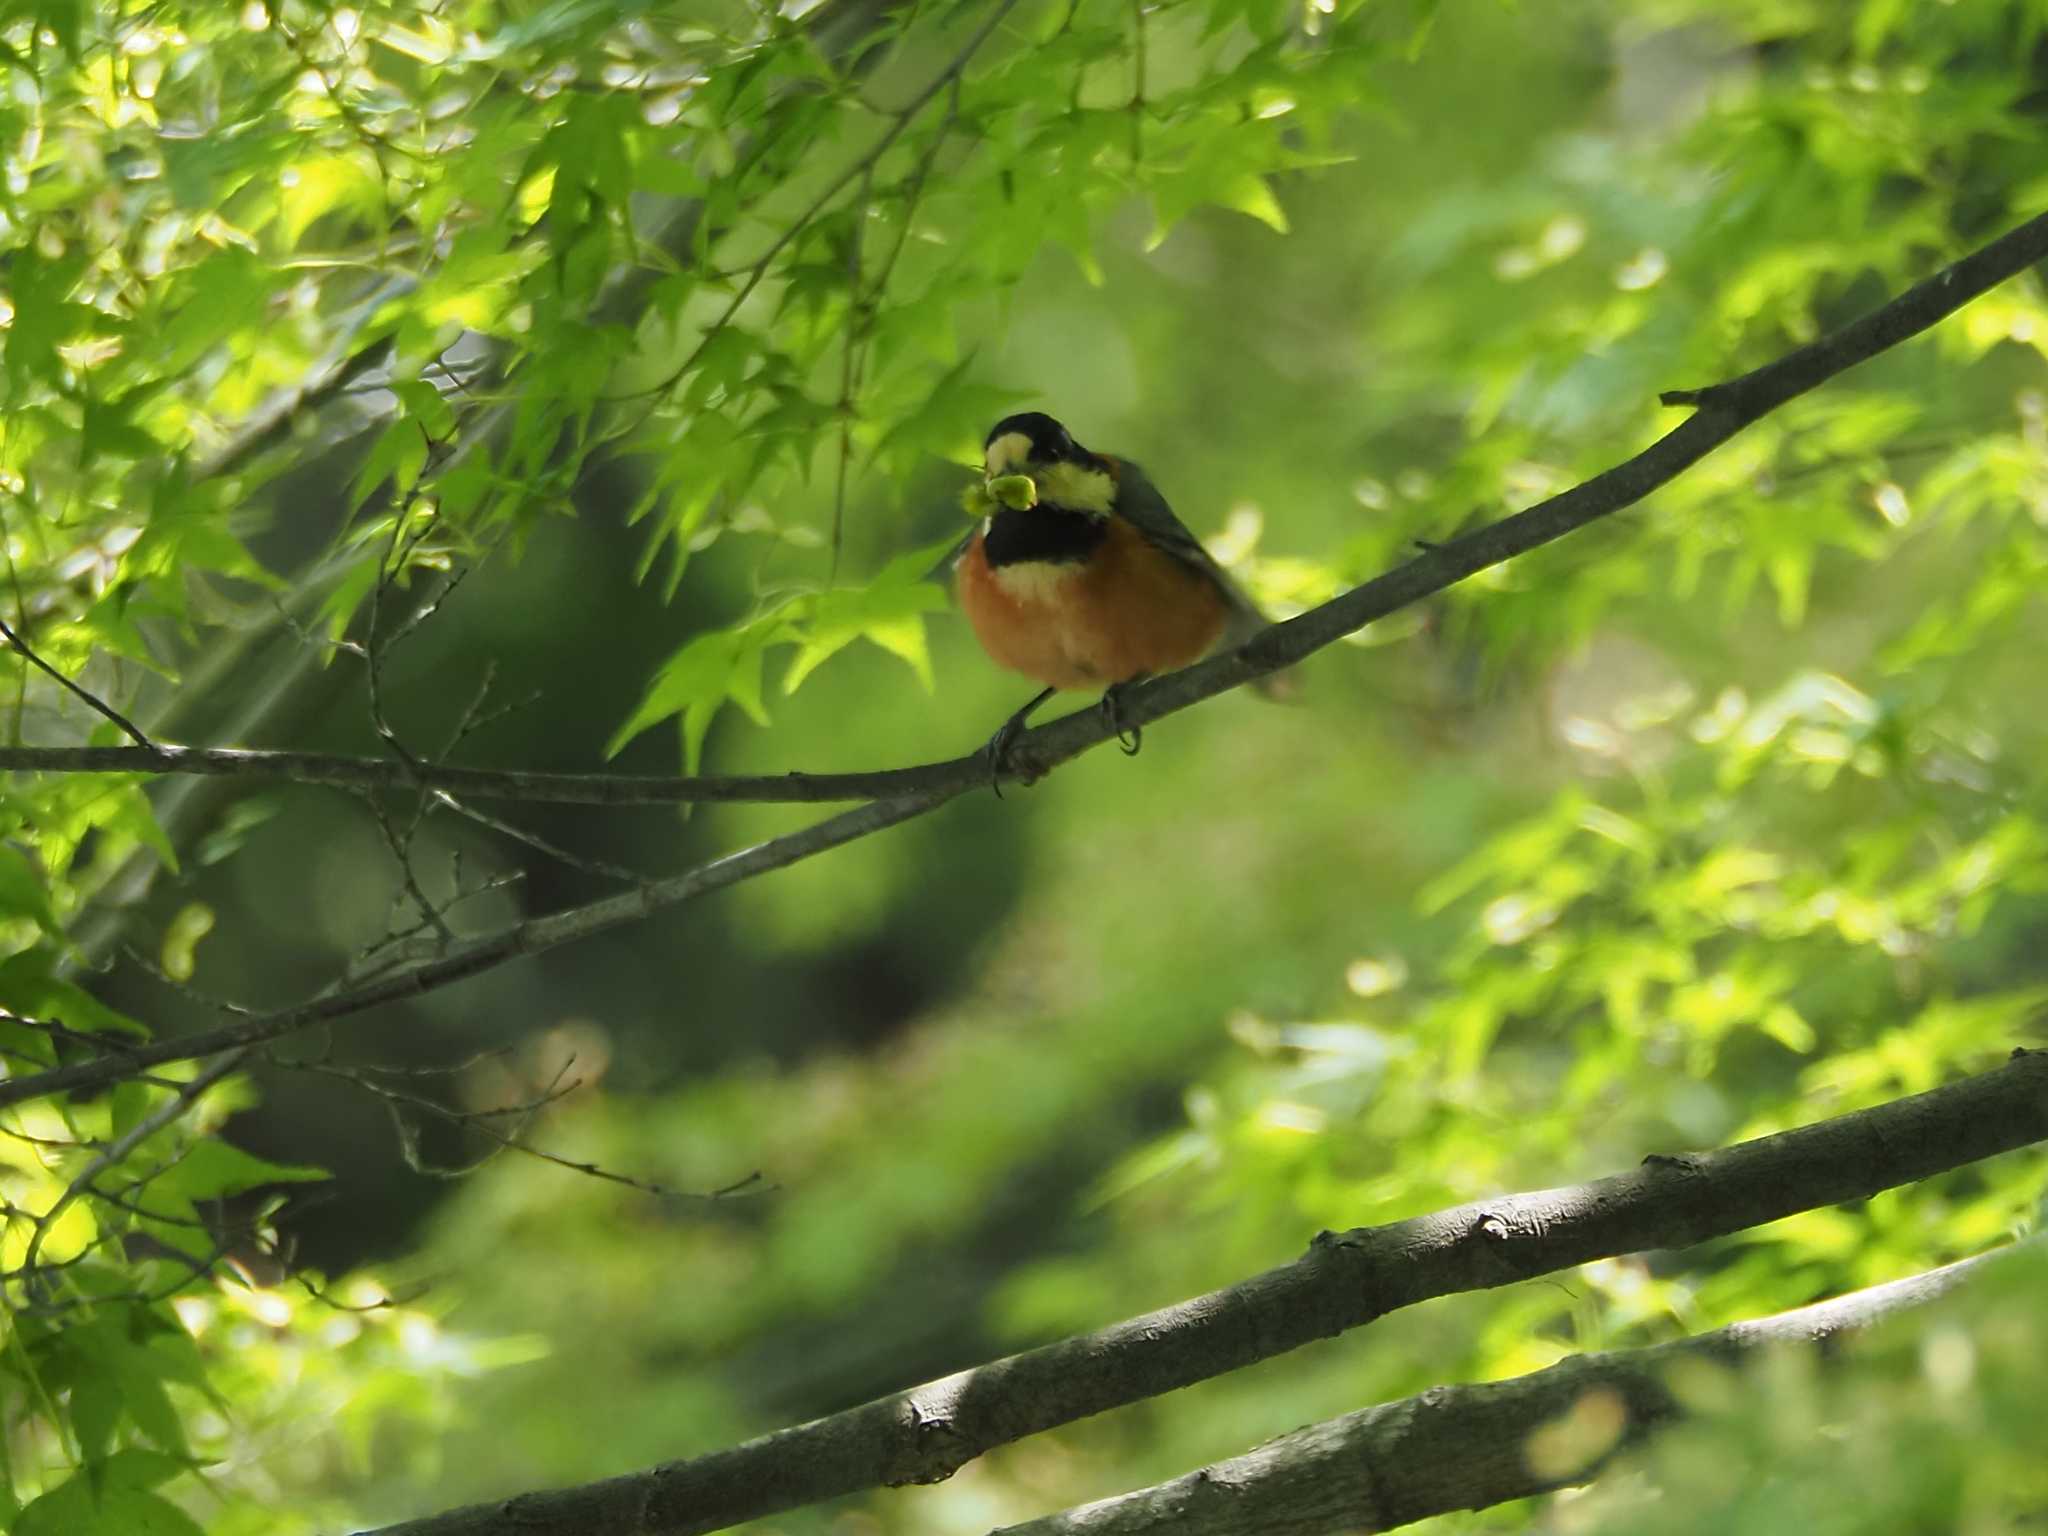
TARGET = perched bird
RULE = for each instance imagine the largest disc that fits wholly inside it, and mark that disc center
(1082, 577)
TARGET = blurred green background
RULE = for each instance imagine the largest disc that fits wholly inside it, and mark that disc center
(1720, 816)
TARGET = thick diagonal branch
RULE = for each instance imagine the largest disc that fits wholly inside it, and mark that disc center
(1345, 1280)
(913, 791)
(1468, 1447)
(470, 957)
(1722, 411)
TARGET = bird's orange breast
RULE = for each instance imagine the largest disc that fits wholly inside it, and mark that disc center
(1127, 609)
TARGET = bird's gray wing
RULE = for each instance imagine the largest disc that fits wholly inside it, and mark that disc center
(1139, 502)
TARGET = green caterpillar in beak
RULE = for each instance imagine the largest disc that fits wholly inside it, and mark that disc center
(1017, 492)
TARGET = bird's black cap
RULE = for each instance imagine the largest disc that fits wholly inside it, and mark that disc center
(1048, 438)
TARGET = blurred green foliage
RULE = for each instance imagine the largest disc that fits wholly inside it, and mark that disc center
(667, 326)
(1933, 1430)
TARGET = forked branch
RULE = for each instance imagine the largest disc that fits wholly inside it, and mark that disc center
(1722, 412)
(1470, 1447)
(1344, 1281)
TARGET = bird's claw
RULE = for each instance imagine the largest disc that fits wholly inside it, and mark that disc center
(1128, 738)
(998, 748)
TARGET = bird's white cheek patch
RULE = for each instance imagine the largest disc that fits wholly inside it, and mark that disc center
(1076, 488)
(1006, 453)
(1034, 581)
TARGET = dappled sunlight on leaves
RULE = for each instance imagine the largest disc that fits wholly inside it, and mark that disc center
(667, 334)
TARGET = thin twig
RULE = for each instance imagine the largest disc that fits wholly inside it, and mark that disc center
(1136, 107)
(58, 1030)
(758, 269)
(579, 861)
(471, 957)
(849, 367)
(50, 1143)
(389, 566)
(396, 1100)
(117, 1151)
(143, 961)
(92, 700)
(1723, 413)
(400, 845)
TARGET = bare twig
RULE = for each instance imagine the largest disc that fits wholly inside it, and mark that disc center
(399, 843)
(116, 1151)
(1136, 105)
(57, 1030)
(849, 364)
(377, 648)
(92, 700)
(390, 566)
(603, 868)
(473, 716)
(143, 961)
(901, 119)
(470, 957)
(49, 1143)
(398, 1100)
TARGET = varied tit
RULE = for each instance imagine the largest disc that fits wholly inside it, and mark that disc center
(1082, 577)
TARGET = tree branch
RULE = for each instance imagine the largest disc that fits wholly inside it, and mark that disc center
(92, 700)
(344, 772)
(900, 120)
(167, 1113)
(1468, 1447)
(837, 29)
(914, 791)
(1722, 411)
(466, 958)
(1345, 1280)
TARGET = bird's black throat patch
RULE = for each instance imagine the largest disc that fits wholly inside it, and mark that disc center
(1042, 533)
